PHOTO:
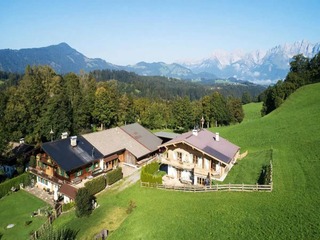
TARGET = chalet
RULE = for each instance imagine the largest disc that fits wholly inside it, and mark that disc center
(21, 151)
(66, 161)
(131, 144)
(198, 156)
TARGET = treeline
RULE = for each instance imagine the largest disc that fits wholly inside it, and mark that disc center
(152, 86)
(303, 71)
(44, 104)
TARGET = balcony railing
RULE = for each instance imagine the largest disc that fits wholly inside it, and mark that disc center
(178, 164)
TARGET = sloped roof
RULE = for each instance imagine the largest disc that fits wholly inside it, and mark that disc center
(143, 136)
(168, 135)
(68, 191)
(133, 137)
(205, 141)
(68, 157)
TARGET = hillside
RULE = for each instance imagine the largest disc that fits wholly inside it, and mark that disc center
(62, 58)
(289, 212)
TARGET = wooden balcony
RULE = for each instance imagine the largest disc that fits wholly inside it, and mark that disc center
(177, 163)
(41, 173)
(201, 171)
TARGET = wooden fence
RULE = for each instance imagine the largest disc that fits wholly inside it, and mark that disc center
(46, 225)
(212, 188)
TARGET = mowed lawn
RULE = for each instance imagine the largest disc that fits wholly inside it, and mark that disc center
(16, 209)
(291, 211)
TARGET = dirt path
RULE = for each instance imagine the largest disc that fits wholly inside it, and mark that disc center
(131, 179)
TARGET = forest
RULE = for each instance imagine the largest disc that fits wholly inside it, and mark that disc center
(42, 104)
(303, 71)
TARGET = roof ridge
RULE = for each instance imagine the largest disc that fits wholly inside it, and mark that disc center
(134, 138)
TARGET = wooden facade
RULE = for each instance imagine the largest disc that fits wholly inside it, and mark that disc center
(191, 165)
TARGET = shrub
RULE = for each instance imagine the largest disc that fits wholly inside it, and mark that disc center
(96, 185)
(83, 202)
(150, 173)
(67, 206)
(27, 223)
(6, 186)
(265, 175)
(131, 206)
(114, 176)
(57, 234)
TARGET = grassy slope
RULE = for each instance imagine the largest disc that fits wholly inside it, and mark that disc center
(289, 212)
(16, 209)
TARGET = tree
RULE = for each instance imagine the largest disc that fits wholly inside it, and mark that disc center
(246, 98)
(126, 110)
(83, 202)
(235, 109)
(182, 114)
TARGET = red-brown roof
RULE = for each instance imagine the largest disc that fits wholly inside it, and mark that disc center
(69, 191)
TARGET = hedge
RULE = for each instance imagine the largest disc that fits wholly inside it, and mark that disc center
(6, 186)
(149, 173)
(114, 176)
(67, 206)
(96, 185)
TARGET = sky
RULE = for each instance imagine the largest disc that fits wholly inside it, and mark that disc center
(126, 32)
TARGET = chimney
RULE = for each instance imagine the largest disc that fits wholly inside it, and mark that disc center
(195, 132)
(217, 137)
(73, 141)
(64, 135)
(21, 141)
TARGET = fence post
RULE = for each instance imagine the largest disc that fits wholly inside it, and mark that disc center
(242, 187)
(257, 186)
(229, 186)
(217, 187)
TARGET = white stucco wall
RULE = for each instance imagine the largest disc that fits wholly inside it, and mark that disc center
(172, 172)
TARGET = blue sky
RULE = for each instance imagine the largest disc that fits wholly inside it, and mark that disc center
(126, 32)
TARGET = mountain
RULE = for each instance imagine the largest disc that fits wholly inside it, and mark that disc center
(168, 70)
(262, 67)
(258, 66)
(62, 58)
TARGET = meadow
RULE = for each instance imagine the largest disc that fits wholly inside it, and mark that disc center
(290, 211)
(16, 209)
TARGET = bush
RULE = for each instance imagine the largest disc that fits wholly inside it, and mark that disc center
(114, 176)
(6, 186)
(58, 234)
(150, 173)
(131, 206)
(265, 175)
(67, 206)
(27, 223)
(96, 185)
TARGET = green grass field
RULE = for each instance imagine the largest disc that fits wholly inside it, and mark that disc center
(16, 208)
(291, 211)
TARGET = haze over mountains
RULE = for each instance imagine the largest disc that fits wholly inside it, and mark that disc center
(262, 67)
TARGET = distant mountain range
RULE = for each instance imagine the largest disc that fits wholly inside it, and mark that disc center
(259, 67)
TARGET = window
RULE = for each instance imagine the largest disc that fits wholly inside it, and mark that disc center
(199, 162)
(43, 181)
(79, 173)
(200, 181)
(61, 172)
(89, 169)
(179, 156)
(195, 159)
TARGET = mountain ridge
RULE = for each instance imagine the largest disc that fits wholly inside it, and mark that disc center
(256, 66)
(260, 67)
